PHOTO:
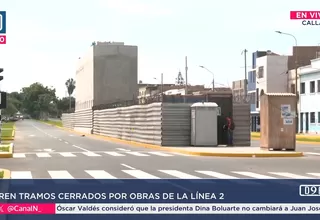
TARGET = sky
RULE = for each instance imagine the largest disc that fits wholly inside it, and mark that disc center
(45, 38)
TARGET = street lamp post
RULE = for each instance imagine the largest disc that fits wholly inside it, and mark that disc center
(203, 67)
(296, 74)
(161, 83)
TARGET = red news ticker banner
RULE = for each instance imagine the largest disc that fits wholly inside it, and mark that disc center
(3, 39)
(305, 15)
(27, 209)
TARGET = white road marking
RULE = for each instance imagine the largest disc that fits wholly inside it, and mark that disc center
(115, 154)
(66, 142)
(48, 150)
(130, 167)
(161, 154)
(91, 154)
(80, 148)
(43, 155)
(21, 175)
(122, 149)
(60, 174)
(137, 154)
(19, 155)
(31, 135)
(71, 135)
(139, 174)
(254, 175)
(217, 175)
(312, 153)
(314, 174)
(67, 154)
(60, 139)
(181, 154)
(100, 174)
(55, 137)
(290, 175)
(179, 174)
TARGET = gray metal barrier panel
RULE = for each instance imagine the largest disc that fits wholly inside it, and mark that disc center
(83, 120)
(68, 120)
(140, 123)
(241, 118)
(176, 124)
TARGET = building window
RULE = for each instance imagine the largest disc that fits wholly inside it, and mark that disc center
(312, 87)
(302, 88)
(261, 72)
(312, 117)
(318, 85)
(318, 117)
(257, 99)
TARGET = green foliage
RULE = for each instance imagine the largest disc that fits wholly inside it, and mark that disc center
(39, 101)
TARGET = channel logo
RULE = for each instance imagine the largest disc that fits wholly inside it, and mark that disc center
(2, 22)
(3, 39)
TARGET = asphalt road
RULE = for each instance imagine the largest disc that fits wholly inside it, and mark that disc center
(43, 151)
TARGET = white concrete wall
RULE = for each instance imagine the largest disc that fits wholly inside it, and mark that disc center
(276, 71)
(115, 73)
(84, 81)
(274, 78)
(310, 102)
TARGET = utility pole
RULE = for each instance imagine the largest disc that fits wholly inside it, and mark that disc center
(161, 84)
(245, 74)
(1, 78)
(186, 89)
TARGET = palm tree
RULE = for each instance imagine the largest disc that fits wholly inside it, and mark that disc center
(71, 85)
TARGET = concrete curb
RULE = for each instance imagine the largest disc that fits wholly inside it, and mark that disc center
(6, 173)
(299, 142)
(8, 154)
(168, 149)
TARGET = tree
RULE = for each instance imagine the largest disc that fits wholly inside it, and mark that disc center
(36, 99)
(71, 85)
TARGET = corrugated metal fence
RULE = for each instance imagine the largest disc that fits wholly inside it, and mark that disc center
(165, 124)
(241, 118)
(68, 120)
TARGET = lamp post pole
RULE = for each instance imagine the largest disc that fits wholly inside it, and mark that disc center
(203, 67)
(296, 74)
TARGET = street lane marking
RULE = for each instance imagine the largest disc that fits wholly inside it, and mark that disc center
(179, 174)
(100, 174)
(67, 154)
(312, 153)
(139, 174)
(137, 154)
(66, 142)
(91, 154)
(290, 175)
(115, 154)
(19, 155)
(161, 154)
(254, 175)
(122, 149)
(55, 137)
(217, 175)
(60, 139)
(43, 155)
(125, 165)
(21, 175)
(314, 174)
(181, 154)
(80, 148)
(60, 174)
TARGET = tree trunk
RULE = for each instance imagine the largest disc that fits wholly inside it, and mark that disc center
(70, 102)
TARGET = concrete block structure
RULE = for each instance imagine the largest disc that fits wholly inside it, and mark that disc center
(107, 73)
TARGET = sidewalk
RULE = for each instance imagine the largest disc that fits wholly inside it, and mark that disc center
(232, 152)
